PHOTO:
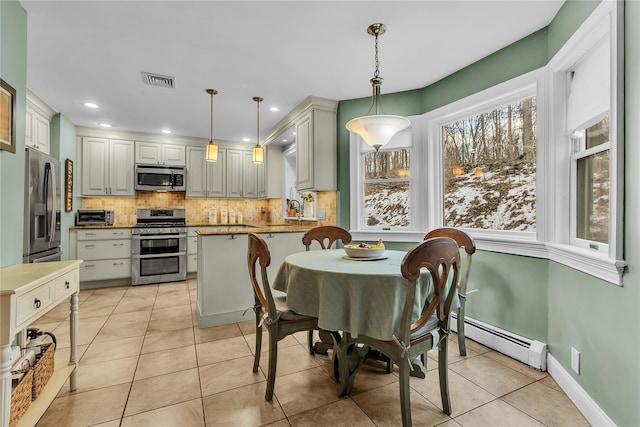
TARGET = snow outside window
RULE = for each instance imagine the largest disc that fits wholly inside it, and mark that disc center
(490, 168)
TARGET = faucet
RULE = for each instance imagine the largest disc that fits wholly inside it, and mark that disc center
(299, 208)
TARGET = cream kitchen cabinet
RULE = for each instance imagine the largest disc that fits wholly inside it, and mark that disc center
(150, 153)
(242, 174)
(37, 123)
(107, 167)
(224, 291)
(316, 151)
(206, 179)
(106, 253)
(192, 250)
(249, 176)
(28, 292)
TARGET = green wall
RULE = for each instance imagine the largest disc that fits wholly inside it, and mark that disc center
(537, 298)
(13, 70)
(63, 146)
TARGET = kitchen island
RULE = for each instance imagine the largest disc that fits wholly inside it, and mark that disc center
(224, 290)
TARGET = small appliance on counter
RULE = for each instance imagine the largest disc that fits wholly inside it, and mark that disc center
(94, 217)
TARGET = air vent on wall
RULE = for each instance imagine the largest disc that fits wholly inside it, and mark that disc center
(158, 80)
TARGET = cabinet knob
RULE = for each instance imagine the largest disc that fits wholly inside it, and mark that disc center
(67, 285)
(37, 303)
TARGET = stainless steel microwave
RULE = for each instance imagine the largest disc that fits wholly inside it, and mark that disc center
(94, 217)
(160, 178)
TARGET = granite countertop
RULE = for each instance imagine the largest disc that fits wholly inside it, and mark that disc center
(95, 226)
(221, 229)
(212, 230)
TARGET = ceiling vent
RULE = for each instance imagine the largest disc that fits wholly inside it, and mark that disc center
(158, 80)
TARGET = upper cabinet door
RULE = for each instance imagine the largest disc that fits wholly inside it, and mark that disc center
(148, 153)
(121, 168)
(196, 174)
(173, 155)
(304, 153)
(234, 173)
(95, 164)
(217, 175)
(249, 176)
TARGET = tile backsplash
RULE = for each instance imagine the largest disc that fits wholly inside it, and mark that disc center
(125, 207)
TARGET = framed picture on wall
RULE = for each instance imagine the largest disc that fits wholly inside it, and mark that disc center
(7, 117)
(68, 185)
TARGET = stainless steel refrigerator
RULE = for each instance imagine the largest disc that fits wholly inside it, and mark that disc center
(41, 208)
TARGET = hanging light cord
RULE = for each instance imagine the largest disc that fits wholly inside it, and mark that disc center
(258, 122)
(211, 116)
(376, 74)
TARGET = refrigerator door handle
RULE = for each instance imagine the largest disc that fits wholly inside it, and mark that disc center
(52, 230)
(45, 196)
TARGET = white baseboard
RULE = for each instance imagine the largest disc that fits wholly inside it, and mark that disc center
(585, 404)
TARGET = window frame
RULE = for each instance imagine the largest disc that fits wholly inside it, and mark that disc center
(606, 20)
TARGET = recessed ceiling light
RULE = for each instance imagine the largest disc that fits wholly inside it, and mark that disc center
(167, 131)
(285, 140)
(105, 125)
(246, 139)
(274, 109)
(91, 105)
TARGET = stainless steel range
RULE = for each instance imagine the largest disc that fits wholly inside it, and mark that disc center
(159, 246)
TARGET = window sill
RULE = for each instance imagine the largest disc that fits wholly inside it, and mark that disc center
(590, 262)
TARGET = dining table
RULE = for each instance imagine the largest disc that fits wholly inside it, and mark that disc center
(352, 295)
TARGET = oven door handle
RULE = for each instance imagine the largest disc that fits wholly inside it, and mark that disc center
(157, 236)
(165, 255)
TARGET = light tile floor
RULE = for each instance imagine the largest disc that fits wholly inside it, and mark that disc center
(145, 362)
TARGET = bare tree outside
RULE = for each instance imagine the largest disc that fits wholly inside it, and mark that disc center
(386, 188)
(490, 169)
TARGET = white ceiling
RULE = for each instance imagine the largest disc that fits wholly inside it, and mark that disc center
(283, 51)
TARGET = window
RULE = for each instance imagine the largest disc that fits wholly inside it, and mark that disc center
(591, 185)
(386, 188)
(490, 168)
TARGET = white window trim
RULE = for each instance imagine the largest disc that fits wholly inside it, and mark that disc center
(609, 266)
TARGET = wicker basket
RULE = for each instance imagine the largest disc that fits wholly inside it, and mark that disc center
(21, 396)
(43, 368)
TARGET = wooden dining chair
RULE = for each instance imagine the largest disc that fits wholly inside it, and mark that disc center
(270, 312)
(464, 241)
(441, 257)
(326, 236)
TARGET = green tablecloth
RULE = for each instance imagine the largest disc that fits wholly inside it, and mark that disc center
(360, 297)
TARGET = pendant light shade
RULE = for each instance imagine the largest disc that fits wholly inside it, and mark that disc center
(377, 129)
(212, 147)
(258, 152)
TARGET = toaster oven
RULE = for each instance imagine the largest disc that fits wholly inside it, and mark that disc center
(94, 217)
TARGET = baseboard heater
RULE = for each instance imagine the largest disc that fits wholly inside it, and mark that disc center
(531, 352)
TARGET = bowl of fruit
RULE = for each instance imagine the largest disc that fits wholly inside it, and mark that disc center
(365, 250)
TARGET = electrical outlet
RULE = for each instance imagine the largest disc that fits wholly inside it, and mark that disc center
(575, 360)
(322, 214)
(249, 214)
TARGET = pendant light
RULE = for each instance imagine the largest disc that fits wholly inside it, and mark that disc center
(212, 147)
(258, 152)
(377, 129)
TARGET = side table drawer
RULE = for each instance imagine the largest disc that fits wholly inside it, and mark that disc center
(65, 285)
(32, 302)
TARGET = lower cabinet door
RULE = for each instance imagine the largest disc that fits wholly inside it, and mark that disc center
(105, 269)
